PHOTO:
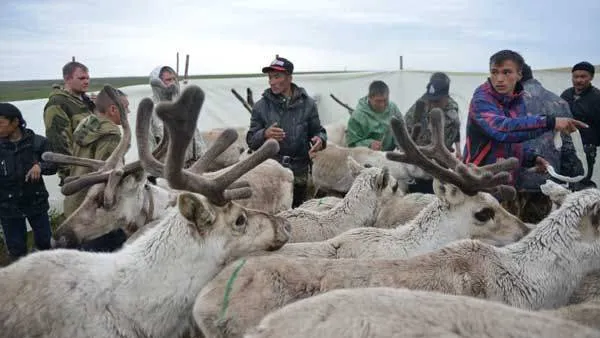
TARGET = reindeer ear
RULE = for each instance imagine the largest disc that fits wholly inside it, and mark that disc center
(355, 167)
(197, 211)
(383, 179)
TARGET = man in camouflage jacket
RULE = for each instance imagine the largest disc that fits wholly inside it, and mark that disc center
(437, 95)
(96, 137)
(417, 122)
(66, 107)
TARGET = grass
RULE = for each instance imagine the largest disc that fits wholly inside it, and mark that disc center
(55, 219)
(40, 89)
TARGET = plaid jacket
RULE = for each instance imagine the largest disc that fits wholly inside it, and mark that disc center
(498, 124)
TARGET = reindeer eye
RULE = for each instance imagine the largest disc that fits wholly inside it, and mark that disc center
(241, 220)
(485, 214)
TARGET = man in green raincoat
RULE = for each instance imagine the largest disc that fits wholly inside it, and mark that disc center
(369, 125)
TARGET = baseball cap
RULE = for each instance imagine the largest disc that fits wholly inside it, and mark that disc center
(279, 65)
(438, 86)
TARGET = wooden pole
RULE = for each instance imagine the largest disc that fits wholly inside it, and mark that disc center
(73, 58)
(187, 65)
(177, 70)
(401, 63)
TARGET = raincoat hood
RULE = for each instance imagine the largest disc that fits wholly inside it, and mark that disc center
(161, 92)
(92, 128)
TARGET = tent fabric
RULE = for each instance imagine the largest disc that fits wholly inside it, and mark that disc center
(221, 109)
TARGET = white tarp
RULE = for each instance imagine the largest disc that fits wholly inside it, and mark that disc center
(222, 109)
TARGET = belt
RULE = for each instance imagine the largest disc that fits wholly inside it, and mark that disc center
(289, 161)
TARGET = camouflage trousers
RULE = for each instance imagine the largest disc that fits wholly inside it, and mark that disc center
(530, 207)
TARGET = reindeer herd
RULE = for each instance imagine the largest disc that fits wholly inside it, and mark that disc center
(215, 249)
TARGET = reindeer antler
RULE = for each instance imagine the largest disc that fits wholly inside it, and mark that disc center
(437, 160)
(180, 119)
(350, 109)
(102, 169)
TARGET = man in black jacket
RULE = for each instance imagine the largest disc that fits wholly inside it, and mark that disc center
(584, 101)
(22, 190)
(289, 115)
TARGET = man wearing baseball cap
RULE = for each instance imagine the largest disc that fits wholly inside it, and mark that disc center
(289, 115)
(584, 101)
(437, 95)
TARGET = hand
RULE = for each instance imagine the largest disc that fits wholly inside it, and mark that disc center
(317, 145)
(274, 132)
(458, 155)
(567, 125)
(376, 145)
(541, 165)
(34, 173)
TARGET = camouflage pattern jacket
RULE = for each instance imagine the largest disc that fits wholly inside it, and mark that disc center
(540, 101)
(96, 137)
(62, 114)
(451, 123)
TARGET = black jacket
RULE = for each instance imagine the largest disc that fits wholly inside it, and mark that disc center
(17, 197)
(299, 119)
(586, 108)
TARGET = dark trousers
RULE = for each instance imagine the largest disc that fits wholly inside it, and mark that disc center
(422, 186)
(590, 156)
(300, 187)
(109, 242)
(15, 234)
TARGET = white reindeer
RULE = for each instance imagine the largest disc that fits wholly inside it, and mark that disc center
(389, 312)
(359, 208)
(454, 215)
(144, 289)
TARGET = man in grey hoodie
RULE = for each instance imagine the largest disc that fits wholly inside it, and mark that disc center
(165, 87)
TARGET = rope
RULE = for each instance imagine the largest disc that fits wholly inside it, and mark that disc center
(228, 288)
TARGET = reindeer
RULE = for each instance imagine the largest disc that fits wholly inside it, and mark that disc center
(540, 271)
(144, 289)
(387, 312)
(460, 211)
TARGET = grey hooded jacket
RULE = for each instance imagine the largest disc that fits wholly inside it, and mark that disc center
(161, 93)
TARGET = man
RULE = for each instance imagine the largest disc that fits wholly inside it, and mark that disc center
(437, 95)
(369, 125)
(533, 205)
(286, 113)
(584, 100)
(23, 194)
(498, 124)
(65, 108)
(96, 137)
(165, 88)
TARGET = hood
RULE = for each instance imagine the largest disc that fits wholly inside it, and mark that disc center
(92, 128)
(159, 91)
(364, 107)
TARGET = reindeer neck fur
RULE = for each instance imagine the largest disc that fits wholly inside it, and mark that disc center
(162, 199)
(158, 275)
(553, 257)
(434, 227)
(358, 208)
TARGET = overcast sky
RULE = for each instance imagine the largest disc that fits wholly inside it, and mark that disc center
(131, 37)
